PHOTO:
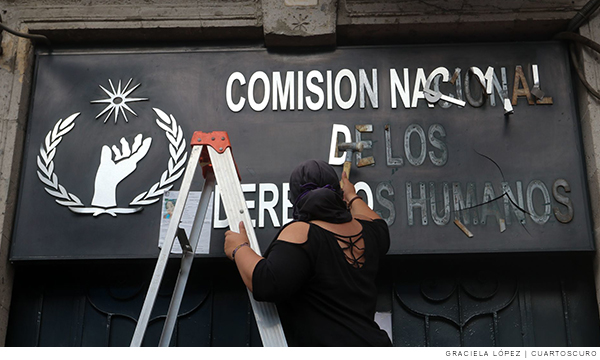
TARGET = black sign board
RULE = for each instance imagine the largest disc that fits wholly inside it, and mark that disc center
(472, 148)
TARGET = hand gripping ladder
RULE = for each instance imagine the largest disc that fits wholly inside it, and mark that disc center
(213, 152)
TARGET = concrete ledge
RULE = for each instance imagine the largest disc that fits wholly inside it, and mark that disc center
(437, 21)
(289, 23)
(274, 40)
(419, 33)
(156, 35)
(408, 9)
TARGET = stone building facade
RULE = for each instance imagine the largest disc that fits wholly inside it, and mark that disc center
(274, 24)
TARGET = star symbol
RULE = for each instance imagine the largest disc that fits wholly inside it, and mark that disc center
(117, 101)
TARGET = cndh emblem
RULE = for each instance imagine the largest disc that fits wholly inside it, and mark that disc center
(116, 163)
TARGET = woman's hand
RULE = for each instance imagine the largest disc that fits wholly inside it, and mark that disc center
(357, 206)
(234, 239)
(245, 258)
(347, 188)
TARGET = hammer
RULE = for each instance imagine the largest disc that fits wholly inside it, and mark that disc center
(350, 148)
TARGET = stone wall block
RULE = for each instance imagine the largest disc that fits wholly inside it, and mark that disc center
(16, 69)
(299, 22)
(8, 133)
(3, 322)
(590, 124)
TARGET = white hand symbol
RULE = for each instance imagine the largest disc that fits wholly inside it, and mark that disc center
(112, 172)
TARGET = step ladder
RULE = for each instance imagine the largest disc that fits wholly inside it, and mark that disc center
(212, 151)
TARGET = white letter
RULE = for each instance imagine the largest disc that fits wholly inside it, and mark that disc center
(250, 203)
(338, 128)
(266, 96)
(415, 128)
(287, 204)
(267, 205)
(402, 90)
(315, 90)
(371, 90)
(223, 223)
(440, 71)
(329, 91)
(486, 80)
(420, 81)
(338, 81)
(240, 105)
(218, 223)
(361, 185)
(283, 93)
(543, 218)
(300, 90)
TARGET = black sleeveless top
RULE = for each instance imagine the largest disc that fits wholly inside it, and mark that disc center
(325, 295)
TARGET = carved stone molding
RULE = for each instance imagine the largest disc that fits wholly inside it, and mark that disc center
(299, 22)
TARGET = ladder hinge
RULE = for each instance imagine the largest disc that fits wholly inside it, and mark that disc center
(218, 140)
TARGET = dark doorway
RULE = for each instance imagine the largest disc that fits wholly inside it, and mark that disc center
(475, 300)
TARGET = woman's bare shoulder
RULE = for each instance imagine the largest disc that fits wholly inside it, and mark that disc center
(363, 217)
(296, 233)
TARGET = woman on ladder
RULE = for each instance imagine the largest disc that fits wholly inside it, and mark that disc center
(320, 270)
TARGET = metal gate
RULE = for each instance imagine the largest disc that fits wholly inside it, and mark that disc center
(482, 300)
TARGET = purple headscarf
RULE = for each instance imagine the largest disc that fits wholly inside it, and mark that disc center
(316, 193)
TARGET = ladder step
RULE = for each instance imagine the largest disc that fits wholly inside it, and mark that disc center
(183, 240)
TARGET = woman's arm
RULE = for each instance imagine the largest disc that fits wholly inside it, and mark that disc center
(245, 258)
(358, 208)
(285, 268)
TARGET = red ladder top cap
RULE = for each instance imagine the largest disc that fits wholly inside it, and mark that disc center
(218, 140)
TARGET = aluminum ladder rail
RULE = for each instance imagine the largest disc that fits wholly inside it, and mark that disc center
(213, 152)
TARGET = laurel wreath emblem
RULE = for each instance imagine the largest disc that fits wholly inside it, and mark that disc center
(45, 162)
(175, 169)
